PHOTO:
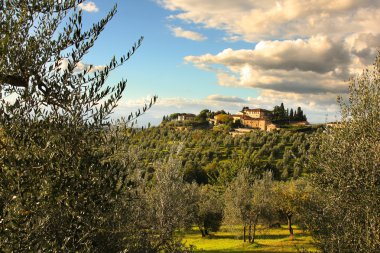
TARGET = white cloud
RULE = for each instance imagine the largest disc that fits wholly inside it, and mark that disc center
(262, 19)
(180, 33)
(318, 54)
(305, 50)
(80, 66)
(89, 6)
(315, 65)
(364, 46)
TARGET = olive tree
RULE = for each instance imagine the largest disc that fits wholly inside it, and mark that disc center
(248, 201)
(208, 211)
(165, 207)
(237, 198)
(62, 184)
(289, 198)
(263, 205)
(347, 166)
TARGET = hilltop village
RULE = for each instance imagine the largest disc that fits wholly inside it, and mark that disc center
(252, 118)
(246, 120)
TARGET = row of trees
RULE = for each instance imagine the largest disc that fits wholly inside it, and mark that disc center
(282, 115)
(251, 201)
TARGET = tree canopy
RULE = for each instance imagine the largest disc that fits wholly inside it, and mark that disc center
(64, 185)
(347, 162)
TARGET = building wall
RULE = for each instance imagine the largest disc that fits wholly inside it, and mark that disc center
(256, 123)
(256, 113)
(253, 114)
(271, 127)
(263, 125)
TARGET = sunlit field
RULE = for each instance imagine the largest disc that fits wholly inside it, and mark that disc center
(267, 240)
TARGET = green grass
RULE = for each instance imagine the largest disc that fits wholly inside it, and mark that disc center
(267, 240)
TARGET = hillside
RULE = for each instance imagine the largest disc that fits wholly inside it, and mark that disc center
(214, 155)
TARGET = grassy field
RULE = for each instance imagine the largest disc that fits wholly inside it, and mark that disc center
(267, 240)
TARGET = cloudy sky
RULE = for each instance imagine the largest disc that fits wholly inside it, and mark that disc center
(226, 54)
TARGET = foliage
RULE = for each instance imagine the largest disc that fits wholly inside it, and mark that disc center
(282, 115)
(194, 173)
(220, 155)
(223, 119)
(247, 200)
(289, 199)
(238, 204)
(42, 63)
(65, 173)
(164, 204)
(208, 209)
(346, 217)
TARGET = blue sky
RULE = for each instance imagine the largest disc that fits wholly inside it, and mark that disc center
(225, 54)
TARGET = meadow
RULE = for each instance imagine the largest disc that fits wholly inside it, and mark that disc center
(267, 241)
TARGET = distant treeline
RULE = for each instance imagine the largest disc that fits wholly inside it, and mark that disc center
(280, 115)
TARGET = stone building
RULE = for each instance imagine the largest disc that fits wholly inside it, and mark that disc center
(255, 118)
(257, 113)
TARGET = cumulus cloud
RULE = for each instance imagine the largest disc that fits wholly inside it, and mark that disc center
(314, 65)
(262, 19)
(181, 33)
(317, 54)
(364, 46)
(89, 6)
(304, 50)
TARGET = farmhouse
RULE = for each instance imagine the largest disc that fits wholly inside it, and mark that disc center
(257, 113)
(249, 118)
(255, 118)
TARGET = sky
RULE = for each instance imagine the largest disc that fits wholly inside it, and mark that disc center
(226, 54)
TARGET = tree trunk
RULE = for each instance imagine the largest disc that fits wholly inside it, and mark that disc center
(250, 233)
(206, 231)
(244, 234)
(254, 232)
(203, 233)
(289, 217)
